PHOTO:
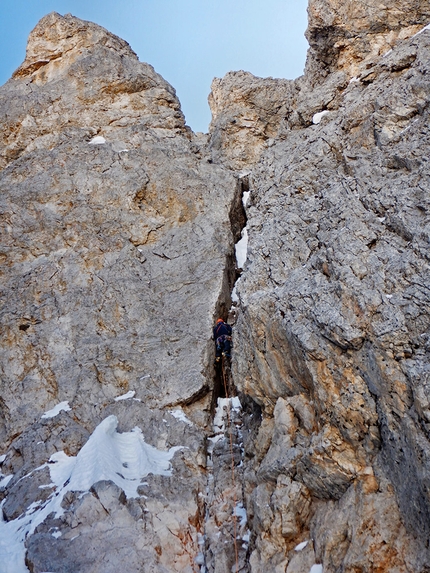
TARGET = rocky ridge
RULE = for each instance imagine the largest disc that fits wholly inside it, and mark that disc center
(119, 228)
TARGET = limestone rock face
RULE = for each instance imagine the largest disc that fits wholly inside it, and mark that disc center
(347, 40)
(331, 339)
(349, 35)
(116, 245)
(78, 80)
(242, 122)
(118, 233)
(101, 216)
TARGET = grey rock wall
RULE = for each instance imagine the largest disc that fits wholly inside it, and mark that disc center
(116, 245)
(113, 252)
(351, 36)
(331, 335)
(118, 232)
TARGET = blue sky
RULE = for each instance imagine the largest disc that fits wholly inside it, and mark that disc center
(189, 42)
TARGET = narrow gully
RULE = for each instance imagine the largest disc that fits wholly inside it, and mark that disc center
(226, 535)
(227, 306)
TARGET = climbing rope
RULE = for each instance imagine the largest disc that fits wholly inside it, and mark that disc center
(232, 467)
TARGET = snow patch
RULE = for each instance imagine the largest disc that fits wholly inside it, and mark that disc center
(4, 480)
(240, 511)
(218, 421)
(234, 295)
(241, 249)
(317, 568)
(318, 116)
(179, 415)
(2, 458)
(129, 394)
(97, 140)
(245, 198)
(354, 79)
(301, 546)
(12, 550)
(61, 407)
(229, 403)
(122, 458)
(216, 439)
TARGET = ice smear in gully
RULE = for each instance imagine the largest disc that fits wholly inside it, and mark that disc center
(242, 249)
(121, 458)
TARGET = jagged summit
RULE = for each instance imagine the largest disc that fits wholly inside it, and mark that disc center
(66, 37)
(78, 80)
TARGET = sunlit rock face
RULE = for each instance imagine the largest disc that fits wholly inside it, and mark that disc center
(347, 40)
(116, 245)
(242, 123)
(118, 233)
(349, 35)
(112, 246)
(78, 78)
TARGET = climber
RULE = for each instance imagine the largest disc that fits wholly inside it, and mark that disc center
(222, 336)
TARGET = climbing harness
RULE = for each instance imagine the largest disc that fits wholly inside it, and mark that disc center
(222, 342)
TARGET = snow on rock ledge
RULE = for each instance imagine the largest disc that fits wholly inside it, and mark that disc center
(318, 116)
(108, 455)
(123, 459)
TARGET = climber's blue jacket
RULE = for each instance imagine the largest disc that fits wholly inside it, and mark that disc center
(222, 328)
